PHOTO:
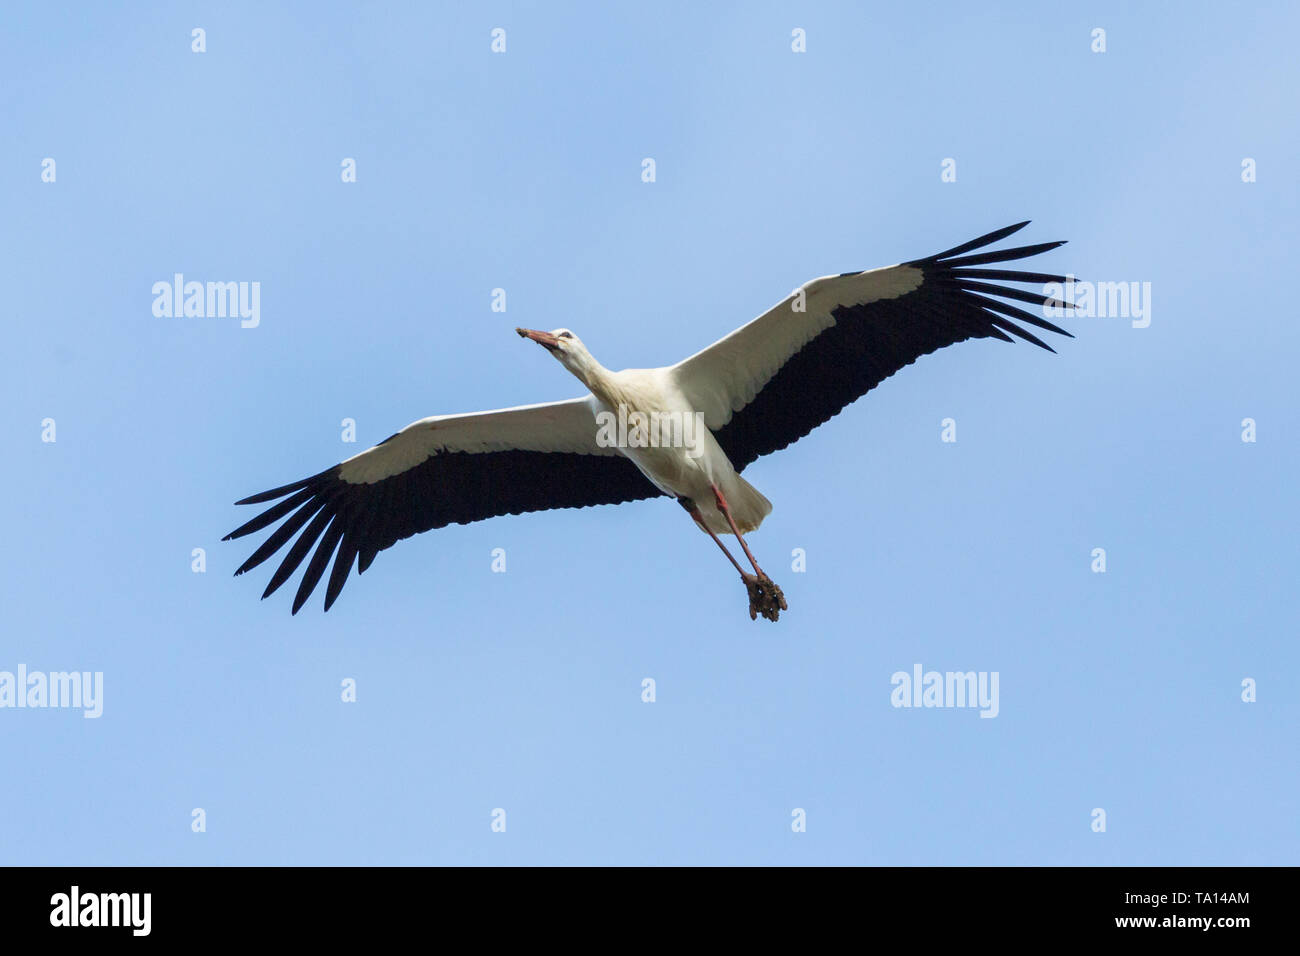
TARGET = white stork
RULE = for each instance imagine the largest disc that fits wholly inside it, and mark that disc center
(757, 390)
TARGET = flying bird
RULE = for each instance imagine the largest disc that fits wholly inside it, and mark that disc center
(686, 430)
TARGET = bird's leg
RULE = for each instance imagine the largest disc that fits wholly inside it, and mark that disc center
(764, 596)
(726, 513)
(694, 512)
(757, 601)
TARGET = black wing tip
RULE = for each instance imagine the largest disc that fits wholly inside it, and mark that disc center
(997, 235)
(947, 269)
(1026, 337)
(947, 258)
(1030, 337)
(309, 482)
(263, 497)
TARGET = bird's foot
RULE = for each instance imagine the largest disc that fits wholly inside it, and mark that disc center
(765, 597)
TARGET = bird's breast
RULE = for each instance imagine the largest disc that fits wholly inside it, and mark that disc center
(663, 436)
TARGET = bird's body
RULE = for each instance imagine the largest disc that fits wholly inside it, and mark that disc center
(685, 430)
(688, 462)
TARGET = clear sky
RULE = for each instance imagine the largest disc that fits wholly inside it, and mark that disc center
(1120, 691)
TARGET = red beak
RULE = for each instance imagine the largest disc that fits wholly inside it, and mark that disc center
(545, 339)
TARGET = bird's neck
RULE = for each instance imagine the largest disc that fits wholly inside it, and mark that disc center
(592, 374)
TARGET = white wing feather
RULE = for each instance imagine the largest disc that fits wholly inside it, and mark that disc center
(568, 426)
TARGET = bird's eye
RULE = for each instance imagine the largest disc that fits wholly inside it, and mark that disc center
(565, 335)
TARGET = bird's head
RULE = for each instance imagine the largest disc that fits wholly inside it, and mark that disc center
(566, 347)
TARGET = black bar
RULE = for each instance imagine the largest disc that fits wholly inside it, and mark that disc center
(333, 905)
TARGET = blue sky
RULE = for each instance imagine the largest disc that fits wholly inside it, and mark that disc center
(522, 690)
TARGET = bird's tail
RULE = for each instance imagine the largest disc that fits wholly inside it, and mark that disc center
(748, 506)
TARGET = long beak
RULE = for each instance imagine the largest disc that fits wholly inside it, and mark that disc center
(545, 339)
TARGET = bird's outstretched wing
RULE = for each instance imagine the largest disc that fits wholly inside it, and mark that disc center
(435, 472)
(774, 380)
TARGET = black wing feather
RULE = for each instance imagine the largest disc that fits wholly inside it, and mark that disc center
(868, 343)
(354, 522)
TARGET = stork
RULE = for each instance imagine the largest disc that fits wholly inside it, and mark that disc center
(751, 393)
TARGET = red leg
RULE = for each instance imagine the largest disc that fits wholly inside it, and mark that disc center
(764, 596)
(726, 512)
(694, 512)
